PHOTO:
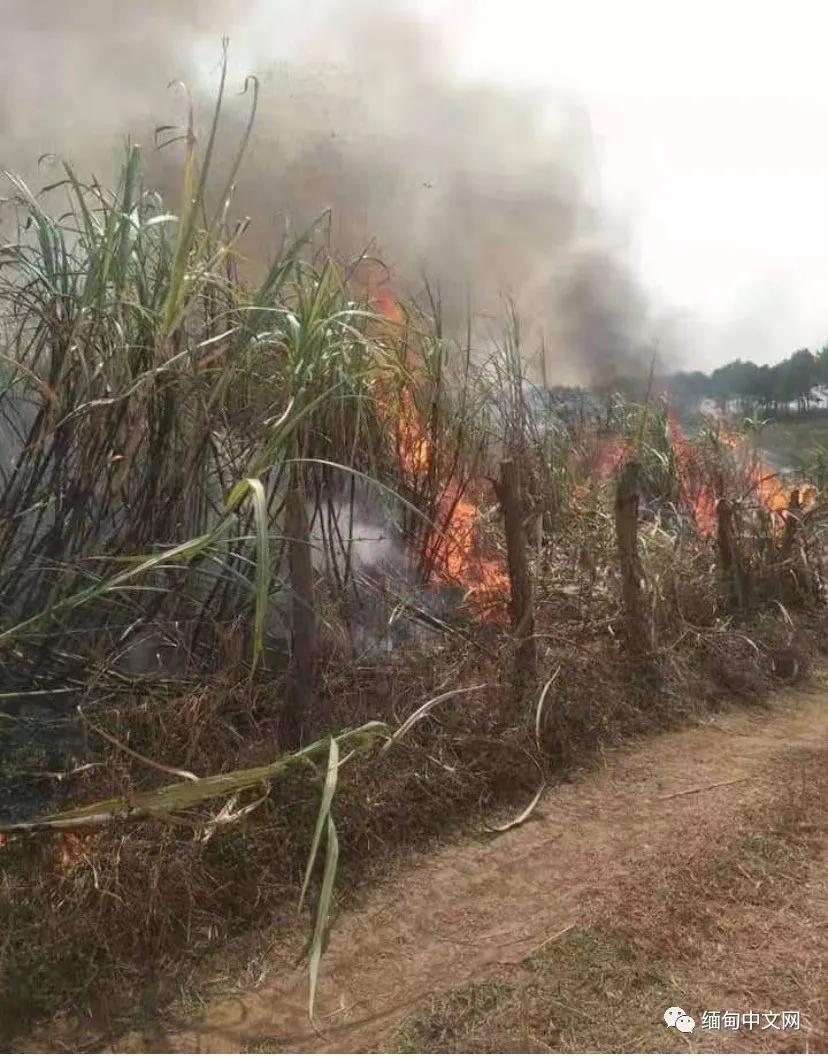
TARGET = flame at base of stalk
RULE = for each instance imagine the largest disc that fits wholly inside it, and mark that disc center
(753, 483)
(694, 491)
(761, 487)
(698, 482)
(458, 559)
(453, 546)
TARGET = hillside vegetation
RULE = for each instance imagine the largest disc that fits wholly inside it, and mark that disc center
(793, 383)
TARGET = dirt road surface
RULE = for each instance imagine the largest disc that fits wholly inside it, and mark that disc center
(699, 855)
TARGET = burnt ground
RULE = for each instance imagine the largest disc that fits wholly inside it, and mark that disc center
(689, 869)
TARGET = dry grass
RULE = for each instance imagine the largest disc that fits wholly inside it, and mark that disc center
(145, 380)
(732, 919)
(141, 912)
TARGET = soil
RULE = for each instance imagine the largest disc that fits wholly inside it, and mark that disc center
(645, 854)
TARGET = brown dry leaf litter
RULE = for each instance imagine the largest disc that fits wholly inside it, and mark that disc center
(677, 864)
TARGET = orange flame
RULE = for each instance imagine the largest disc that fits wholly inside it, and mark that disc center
(696, 492)
(385, 305)
(70, 849)
(454, 549)
(413, 448)
(459, 559)
(764, 486)
(610, 457)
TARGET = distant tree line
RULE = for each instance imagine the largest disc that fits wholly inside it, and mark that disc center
(770, 390)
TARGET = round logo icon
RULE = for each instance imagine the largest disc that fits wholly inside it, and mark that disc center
(675, 1017)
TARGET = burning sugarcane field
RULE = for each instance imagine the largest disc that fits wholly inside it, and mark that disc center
(413, 529)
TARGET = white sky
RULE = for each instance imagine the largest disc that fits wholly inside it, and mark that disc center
(710, 122)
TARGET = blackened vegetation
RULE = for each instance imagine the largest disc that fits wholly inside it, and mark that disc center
(228, 526)
(520, 581)
(734, 575)
(637, 628)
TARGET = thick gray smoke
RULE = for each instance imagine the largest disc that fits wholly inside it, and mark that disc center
(489, 193)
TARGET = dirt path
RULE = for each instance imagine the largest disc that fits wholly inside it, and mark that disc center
(468, 910)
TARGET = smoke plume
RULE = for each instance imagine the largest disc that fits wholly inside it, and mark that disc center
(490, 193)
